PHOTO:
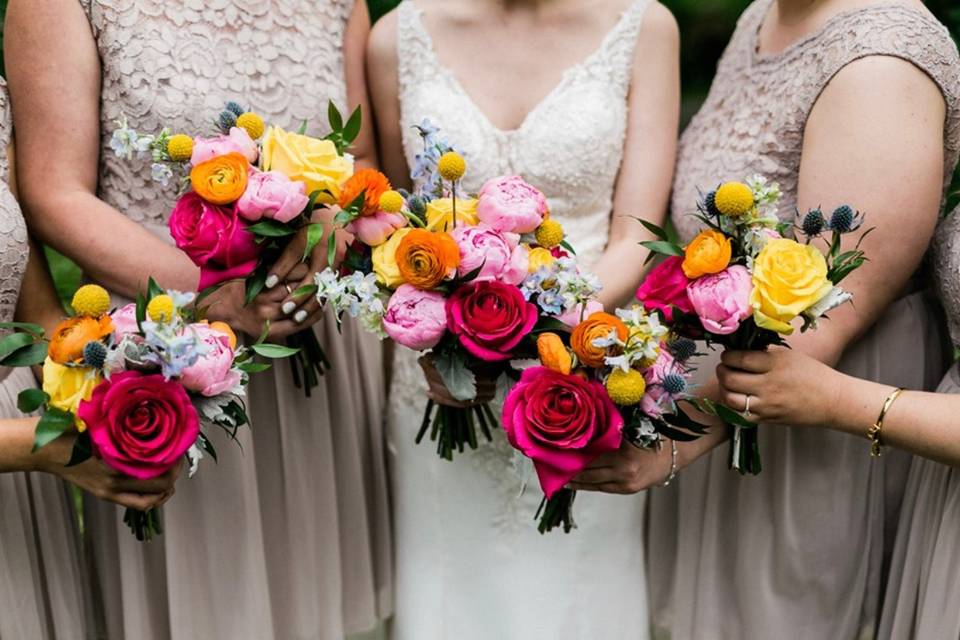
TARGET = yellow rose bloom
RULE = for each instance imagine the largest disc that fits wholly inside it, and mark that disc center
(539, 257)
(708, 253)
(385, 259)
(312, 161)
(788, 278)
(68, 387)
(440, 213)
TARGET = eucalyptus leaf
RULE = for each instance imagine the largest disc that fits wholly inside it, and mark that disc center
(30, 400)
(27, 356)
(274, 350)
(53, 423)
(456, 376)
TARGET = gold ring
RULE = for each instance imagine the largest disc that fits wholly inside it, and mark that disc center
(746, 411)
(287, 287)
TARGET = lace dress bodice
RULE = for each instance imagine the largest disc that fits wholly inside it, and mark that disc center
(175, 63)
(946, 255)
(754, 118)
(14, 250)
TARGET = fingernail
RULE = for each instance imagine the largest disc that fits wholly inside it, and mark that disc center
(300, 316)
(272, 281)
(288, 307)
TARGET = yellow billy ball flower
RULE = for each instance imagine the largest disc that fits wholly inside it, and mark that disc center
(539, 257)
(452, 166)
(549, 234)
(161, 309)
(391, 202)
(626, 388)
(734, 199)
(252, 123)
(180, 147)
(91, 300)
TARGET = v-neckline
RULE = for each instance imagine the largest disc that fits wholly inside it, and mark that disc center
(565, 77)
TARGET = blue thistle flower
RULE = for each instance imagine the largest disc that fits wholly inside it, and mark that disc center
(417, 206)
(235, 108)
(682, 349)
(844, 219)
(813, 223)
(226, 121)
(710, 204)
(674, 384)
(94, 354)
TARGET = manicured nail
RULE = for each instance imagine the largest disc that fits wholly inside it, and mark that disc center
(272, 281)
(288, 307)
(300, 316)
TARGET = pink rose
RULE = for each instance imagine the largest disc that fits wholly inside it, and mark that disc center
(499, 256)
(215, 239)
(490, 318)
(272, 195)
(140, 424)
(125, 321)
(414, 318)
(561, 422)
(664, 288)
(510, 204)
(213, 373)
(238, 141)
(577, 314)
(373, 230)
(722, 300)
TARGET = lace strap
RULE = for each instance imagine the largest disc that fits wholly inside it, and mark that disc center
(615, 56)
(6, 130)
(414, 46)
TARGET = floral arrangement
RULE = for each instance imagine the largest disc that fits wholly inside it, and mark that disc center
(743, 281)
(251, 189)
(142, 385)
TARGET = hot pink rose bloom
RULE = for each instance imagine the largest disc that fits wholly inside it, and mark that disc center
(271, 194)
(722, 300)
(373, 230)
(125, 321)
(499, 256)
(414, 318)
(561, 422)
(665, 287)
(238, 141)
(576, 315)
(140, 424)
(510, 204)
(213, 373)
(215, 239)
(490, 318)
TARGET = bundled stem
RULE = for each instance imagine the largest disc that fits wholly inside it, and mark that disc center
(455, 428)
(310, 362)
(144, 524)
(556, 511)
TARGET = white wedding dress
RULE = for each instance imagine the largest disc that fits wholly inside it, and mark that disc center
(470, 563)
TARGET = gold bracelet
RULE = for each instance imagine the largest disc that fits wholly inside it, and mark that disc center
(874, 433)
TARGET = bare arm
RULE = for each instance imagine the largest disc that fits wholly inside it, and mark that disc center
(382, 74)
(354, 54)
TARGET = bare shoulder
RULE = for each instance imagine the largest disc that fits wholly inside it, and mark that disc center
(883, 82)
(659, 22)
(382, 43)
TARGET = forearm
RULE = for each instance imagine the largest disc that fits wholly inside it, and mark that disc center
(620, 269)
(16, 444)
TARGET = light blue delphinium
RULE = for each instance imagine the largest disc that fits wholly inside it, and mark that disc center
(127, 143)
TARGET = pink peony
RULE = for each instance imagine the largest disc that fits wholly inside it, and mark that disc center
(561, 422)
(414, 318)
(510, 204)
(578, 314)
(664, 288)
(213, 373)
(125, 321)
(652, 402)
(499, 256)
(722, 300)
(272, 195)
(490, 318)
(238, 141)
(373, 230)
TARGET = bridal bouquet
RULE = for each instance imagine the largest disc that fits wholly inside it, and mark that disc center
(744, 280)
(251, 189)
(470, 281)
(142, 385)
(614, 377)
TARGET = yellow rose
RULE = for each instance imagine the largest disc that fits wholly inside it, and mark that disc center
(788, 278)
(538, 258)
(311, 161)
(68, 387)
(385, 259)
(440, 213)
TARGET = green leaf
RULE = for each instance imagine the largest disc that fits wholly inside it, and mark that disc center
(264, 333)
(356, 205)
(271, 229)
(274, 350)
(29, 327)
(334, 117)
(305, 290)
(255, 283)
(659, 232)
(566, 245)
(726, 414)
(331, 248)
(141, 310)
(15, 342)
(254, 367)
(546, 324)
(206, 293)
(312, 203)
(30, 400)
(352, 128)
(314, 236)
(457, 378)
(664, 248)
(153, 289)
(26, 357)
(53, 423)
(82, 450)
(303, 128)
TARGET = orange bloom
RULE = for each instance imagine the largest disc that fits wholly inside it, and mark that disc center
(708, 253)
(553, 353)
(598, 325)
(370, 181)
(226, 330)
(221, 180)
(427, 258)
(73, 334)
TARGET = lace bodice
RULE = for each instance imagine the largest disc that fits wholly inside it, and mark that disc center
(14, 250)
(754, 117)
(177, 62)
(946, 255)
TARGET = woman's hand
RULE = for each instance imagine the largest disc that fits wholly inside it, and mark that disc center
(626, 471)
(438, 392)
(784, 386)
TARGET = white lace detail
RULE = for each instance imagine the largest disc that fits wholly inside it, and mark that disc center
(570, 146)
(946, 254)
(14, 250)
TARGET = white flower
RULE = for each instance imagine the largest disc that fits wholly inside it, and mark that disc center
(832, 300)
(161, 173)
(127, 143)
(194, 456)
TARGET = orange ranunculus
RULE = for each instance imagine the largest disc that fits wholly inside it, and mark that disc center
(221, 180)
(427, 258)
(598, 325)
(73, 334)
(708, 253)
(370, 181)
(553, 353)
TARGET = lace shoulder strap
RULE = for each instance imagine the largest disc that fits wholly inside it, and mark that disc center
(615, 55)
(6, 130)
(415, 55)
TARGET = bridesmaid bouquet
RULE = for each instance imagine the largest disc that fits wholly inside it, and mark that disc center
(251, 189)
(743, 281)
(470, 281)
(614, 377)
(142, 385)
